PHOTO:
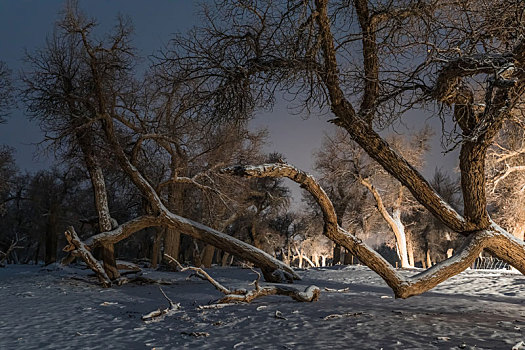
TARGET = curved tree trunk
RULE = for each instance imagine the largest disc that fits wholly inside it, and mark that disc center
(273, 269)
(498, 241)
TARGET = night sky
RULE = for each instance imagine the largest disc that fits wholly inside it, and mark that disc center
(24, 25)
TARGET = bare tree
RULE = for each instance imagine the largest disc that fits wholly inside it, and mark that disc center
(59, 95)
(346, 168)
(506, 181)
(127, 116)
(464, 60)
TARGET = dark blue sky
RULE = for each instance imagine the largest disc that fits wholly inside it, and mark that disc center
(24, 25)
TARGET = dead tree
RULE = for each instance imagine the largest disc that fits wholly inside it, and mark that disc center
(54, 90)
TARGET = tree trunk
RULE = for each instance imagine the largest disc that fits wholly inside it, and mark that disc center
(401, 240)
(155, 251)
(429, 261)
(37, 252)
(101, 204)
(498, 241)
(394, 221)
(410, 248)
(172, 241)
(347, 257)
(207, 255)
(224, 260)
(51, 236)
(300, 256)
(286, 256)
(315, 259)
(337, 254)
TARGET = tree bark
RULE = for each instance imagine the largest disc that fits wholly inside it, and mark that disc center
(410, 249)
(172, 240)
(225, 257)
(77, 247)
(428, 260)
(348, 257)
(370, 60)
(266, 262)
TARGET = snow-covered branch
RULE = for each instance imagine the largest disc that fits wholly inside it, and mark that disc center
(80, 248)
(310, 294)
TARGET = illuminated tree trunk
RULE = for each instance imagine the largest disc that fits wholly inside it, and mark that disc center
(429, 261)
(499, 241)
(410, 249)
(101, 204)
(394, 221)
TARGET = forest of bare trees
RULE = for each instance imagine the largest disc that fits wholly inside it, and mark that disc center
(163, 161)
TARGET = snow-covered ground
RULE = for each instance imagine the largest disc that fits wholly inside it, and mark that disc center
(57, 309)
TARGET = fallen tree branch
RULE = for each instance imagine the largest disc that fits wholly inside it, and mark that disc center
(244, 296)
(160, 314)
(76, 246)
(126, 265)
(273, 269)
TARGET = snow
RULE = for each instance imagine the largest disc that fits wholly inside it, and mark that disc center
(59, 308)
